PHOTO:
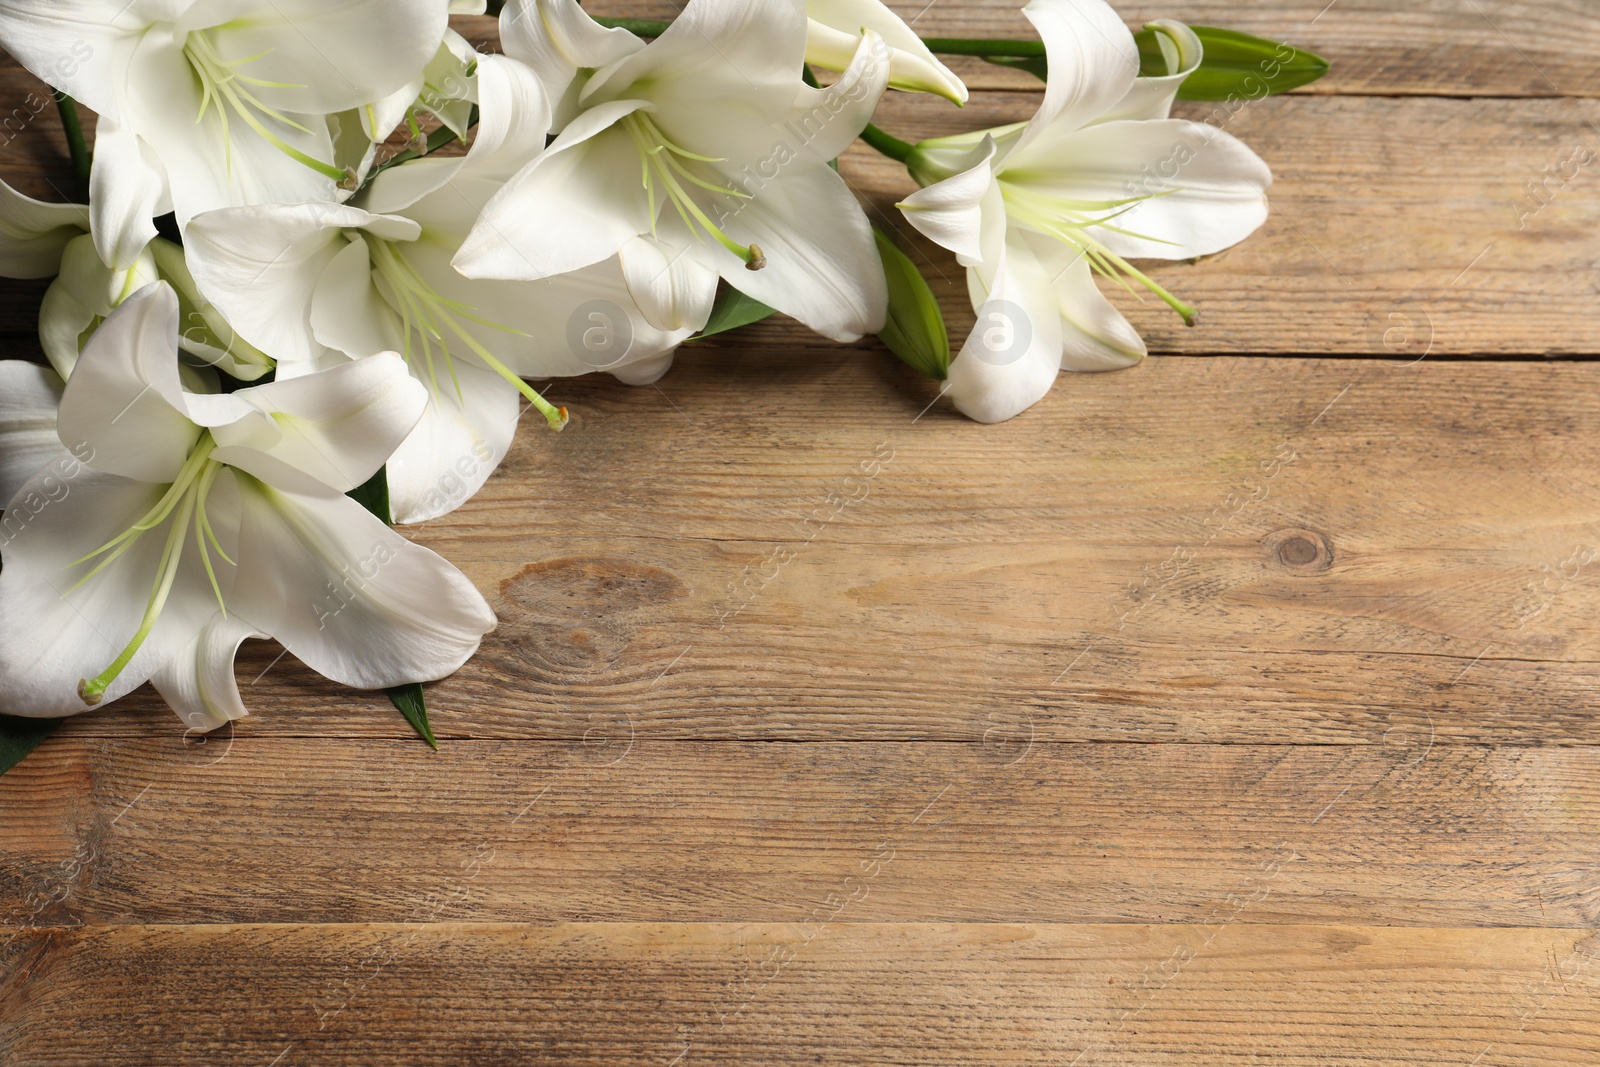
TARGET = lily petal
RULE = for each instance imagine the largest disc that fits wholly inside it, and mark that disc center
(381, 611)
(464, 433)
(260, 266)
(575, 205)
(1151, 98)
(674, 288)
(54, 634)
(713, 46)
(950, 213)
(822, 263)
(1206, 190)
(29, 397)
(834, 117)
(133, 354)
(347, 314)
(322, 57)
(34, 234)
(127, 190)
(199, 682)
(556, 39)
(1093, 62)
(1013, 355)
(334, 428)
(1094, 334)
(76, 46)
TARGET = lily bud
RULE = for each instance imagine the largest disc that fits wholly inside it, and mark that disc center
(834, 30)
(915, 329)
(87, 291)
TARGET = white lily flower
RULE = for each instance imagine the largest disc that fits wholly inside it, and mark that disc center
(210, 103)
(306, 280)
(834, 29)
(700, 154)
(178, 524)
(1099, 176)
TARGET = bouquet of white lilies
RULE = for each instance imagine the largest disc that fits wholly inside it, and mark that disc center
(271, 334)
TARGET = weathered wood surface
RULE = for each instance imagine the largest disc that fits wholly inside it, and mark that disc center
(1238, 708)
(1404, 832)
(1227, 993)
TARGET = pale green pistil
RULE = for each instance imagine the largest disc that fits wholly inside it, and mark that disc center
(222, 82)
(185, 503)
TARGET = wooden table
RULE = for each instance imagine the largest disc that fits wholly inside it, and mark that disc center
(1235, 709)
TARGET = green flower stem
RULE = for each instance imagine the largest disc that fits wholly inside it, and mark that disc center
(77, 145)
(436, 140)
(959, 46)
(637, 27)
(887, 143)
(953, 46)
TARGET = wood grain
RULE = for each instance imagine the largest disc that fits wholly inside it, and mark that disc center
(1402, 833)
(842, 993)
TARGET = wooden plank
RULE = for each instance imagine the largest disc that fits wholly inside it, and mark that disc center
(1444, 47)
(709, 558)
(839, 993)
(618, 828)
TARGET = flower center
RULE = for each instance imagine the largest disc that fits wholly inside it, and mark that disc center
(1073, 223)
(432, 323)
(664, 167)
(184, 503)
(222, 82)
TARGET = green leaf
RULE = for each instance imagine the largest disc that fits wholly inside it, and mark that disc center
(1236, 65)
(732, 310)
(18, 737)
(915, 330)
(374, 496)
(1034, 65)
(412, 704)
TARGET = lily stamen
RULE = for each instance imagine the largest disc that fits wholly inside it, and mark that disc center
(222, 82)
(427, 313)
(663, 162)
(186, 499)
(1071, 222)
